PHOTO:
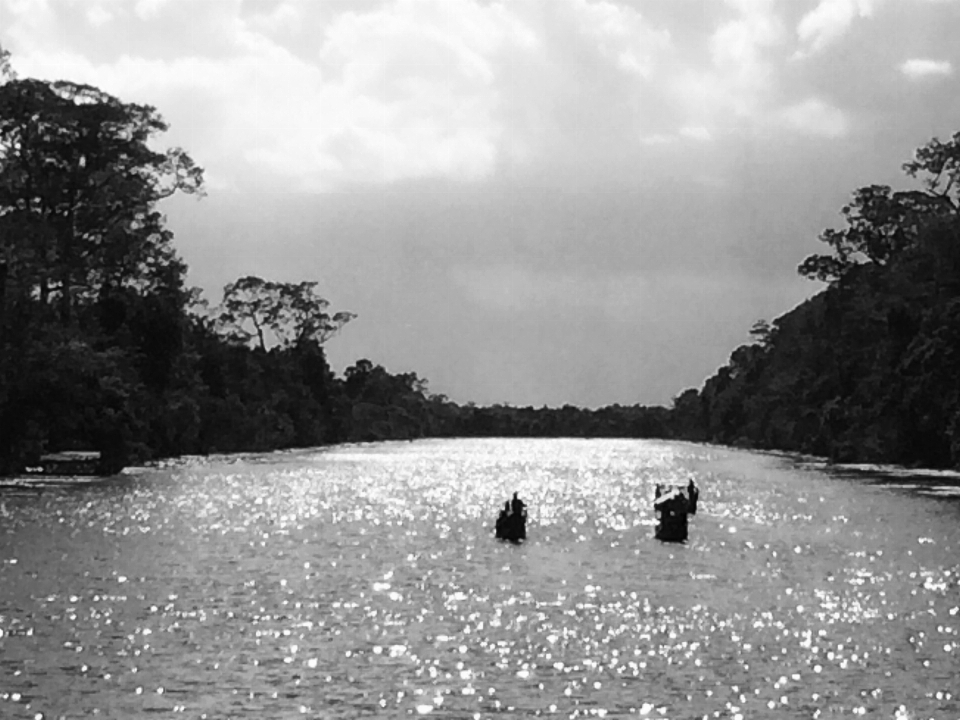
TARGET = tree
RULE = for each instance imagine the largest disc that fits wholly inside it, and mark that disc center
(294, 313)
(763, 332)
(91, 288)
(686, 415)
(881, 223)
(939, 162)
(79, 184)
(6, 71)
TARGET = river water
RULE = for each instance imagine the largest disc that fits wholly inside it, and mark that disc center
(365, 581)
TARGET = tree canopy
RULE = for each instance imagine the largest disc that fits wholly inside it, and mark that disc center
(294, 313)
(882, 223)
(868, 368)
(101, 345)
(79, 185)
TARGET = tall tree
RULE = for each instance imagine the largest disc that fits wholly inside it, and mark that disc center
(882, 223)
(294, 313)
(91, 297)
(79, 185)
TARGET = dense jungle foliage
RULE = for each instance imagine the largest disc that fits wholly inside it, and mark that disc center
(103, 346)
(867, 370)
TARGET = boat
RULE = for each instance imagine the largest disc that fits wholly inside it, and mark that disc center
(512, 527)
(68, 463)
(672, 509)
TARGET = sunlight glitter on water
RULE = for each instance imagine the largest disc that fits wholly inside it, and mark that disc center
(365, 580)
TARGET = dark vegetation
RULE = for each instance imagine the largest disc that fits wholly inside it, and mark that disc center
(868, 370)
(103, 346)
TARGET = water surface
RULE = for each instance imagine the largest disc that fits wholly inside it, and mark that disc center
(365, 581)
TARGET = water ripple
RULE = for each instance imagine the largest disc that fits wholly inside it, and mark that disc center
(365, 581)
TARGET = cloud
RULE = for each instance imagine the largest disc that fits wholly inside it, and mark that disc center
(301, 95)
(293, 93)
(634, 294)
(621, 35)
(738, 83)
(688, 133)
(918, 68)
(517, 289)
(147, 9)
(815, 117)
(696, 133)
(409, 90)
(98, 15)
(829, 20)
(586, 90)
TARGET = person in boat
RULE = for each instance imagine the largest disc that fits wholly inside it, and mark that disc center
(503, 519)
(693, 494)
(658, 491)
(518, 506)
(671, 511)
(511, 524)
(671, 502)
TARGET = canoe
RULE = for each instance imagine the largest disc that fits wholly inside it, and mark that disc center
(68, 463)
(672, 529)
(512, 527)
(672, 510)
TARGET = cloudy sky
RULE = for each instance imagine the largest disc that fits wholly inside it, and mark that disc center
(525, 201)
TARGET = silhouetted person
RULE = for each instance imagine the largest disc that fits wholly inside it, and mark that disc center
(671, 510)
(512, 522)
(517, 505)
(658, 491)
(503, 519)
(693, 493)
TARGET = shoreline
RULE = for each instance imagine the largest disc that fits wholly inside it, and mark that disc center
(935, 482)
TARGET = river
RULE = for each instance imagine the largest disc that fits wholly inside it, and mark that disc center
(365, 581)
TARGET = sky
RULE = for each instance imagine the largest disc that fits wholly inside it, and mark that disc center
(532, 202)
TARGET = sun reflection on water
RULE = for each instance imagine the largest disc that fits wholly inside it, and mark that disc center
(365, 580)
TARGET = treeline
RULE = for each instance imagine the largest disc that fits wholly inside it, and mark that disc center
(104, 347)
(868, 370)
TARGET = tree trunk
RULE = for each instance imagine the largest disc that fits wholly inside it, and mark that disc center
(3, 289)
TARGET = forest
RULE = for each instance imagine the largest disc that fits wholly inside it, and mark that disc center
(104, 347)
(866, 370)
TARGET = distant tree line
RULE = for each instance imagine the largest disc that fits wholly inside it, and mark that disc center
(104, 347)
(869, 368)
